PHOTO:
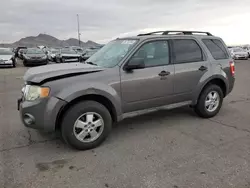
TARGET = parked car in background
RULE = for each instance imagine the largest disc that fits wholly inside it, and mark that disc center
(7, 58)
(239, 53)
(79, 50)
(19, 51)
(52, 54)
(89, 53)
(67, 55)
(35, 56)
(127, 75)
(247, 48)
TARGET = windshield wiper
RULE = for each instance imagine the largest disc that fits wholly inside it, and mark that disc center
(91, 63)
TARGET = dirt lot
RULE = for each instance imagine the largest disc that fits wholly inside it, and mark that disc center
(165, 149)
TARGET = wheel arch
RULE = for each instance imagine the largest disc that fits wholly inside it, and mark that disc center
(92, 97)
(217, 80)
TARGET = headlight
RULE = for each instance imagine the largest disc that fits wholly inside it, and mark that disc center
(44, 57)
(32, 92)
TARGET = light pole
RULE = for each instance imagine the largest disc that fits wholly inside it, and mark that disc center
(78, 30)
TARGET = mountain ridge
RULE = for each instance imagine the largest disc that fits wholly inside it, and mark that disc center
(50, 41)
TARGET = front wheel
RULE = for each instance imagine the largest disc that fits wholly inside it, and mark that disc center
(24, 63)
(46, 62)
(13, 63)
(209, 102)
(62, 60)
(86, 125)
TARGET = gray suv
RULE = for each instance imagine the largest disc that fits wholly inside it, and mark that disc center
(165, 68)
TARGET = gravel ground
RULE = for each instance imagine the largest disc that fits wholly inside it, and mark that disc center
(164, 149)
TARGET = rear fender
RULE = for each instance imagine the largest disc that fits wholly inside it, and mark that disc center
(203, 83)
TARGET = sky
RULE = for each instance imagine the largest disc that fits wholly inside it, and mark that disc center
(104, 20)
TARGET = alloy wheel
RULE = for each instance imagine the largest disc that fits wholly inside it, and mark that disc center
(212, 101)
(88, 127)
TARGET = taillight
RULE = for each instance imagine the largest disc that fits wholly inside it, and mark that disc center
(232, 68)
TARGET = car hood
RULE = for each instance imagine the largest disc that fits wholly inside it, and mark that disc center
(34, 55)
(240, 53)
(70, 55)
(47, 73)
(5, 57)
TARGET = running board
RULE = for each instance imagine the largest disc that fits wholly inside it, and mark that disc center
(150, 110)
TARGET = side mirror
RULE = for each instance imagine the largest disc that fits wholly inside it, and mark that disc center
(135, 63)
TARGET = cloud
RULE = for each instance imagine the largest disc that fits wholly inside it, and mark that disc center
(103, 20)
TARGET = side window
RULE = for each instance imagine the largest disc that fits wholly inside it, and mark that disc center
(154, 53)
(187, 51)
(216, 48)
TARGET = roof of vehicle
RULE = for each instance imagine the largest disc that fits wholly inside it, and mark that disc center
(5, 48)
(171, 34)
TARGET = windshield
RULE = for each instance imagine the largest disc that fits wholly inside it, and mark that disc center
(238, 50)
(54, 51)
(5, 52)
(67, 51)
(112, 53)
(34, 51)
(78, 50)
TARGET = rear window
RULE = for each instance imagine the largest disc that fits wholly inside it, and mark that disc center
(187, 51)
(216, 48)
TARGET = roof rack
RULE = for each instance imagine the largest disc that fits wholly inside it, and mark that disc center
(177, 33)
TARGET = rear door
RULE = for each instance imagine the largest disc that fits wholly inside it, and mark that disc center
(190, 65)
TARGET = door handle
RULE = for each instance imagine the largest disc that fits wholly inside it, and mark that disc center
(164, 73)
(203, 68)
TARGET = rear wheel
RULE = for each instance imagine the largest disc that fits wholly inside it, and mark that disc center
(86, 125)
(210, 101)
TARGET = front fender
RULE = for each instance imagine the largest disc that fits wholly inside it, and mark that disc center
(78, 90)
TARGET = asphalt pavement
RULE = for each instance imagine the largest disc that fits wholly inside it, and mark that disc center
(164, 149)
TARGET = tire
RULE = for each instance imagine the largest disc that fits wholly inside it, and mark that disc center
(13, 63)
(70, 118)
(24, 63)
(201, 108)
(46, 63)
(62, 60)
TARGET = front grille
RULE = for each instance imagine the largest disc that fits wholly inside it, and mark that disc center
(35, 58)
(71, 57)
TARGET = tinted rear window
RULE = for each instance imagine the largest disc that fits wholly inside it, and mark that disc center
(216, 48)
(186, 51)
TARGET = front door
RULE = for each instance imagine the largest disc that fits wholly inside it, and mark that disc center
(150, 86)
